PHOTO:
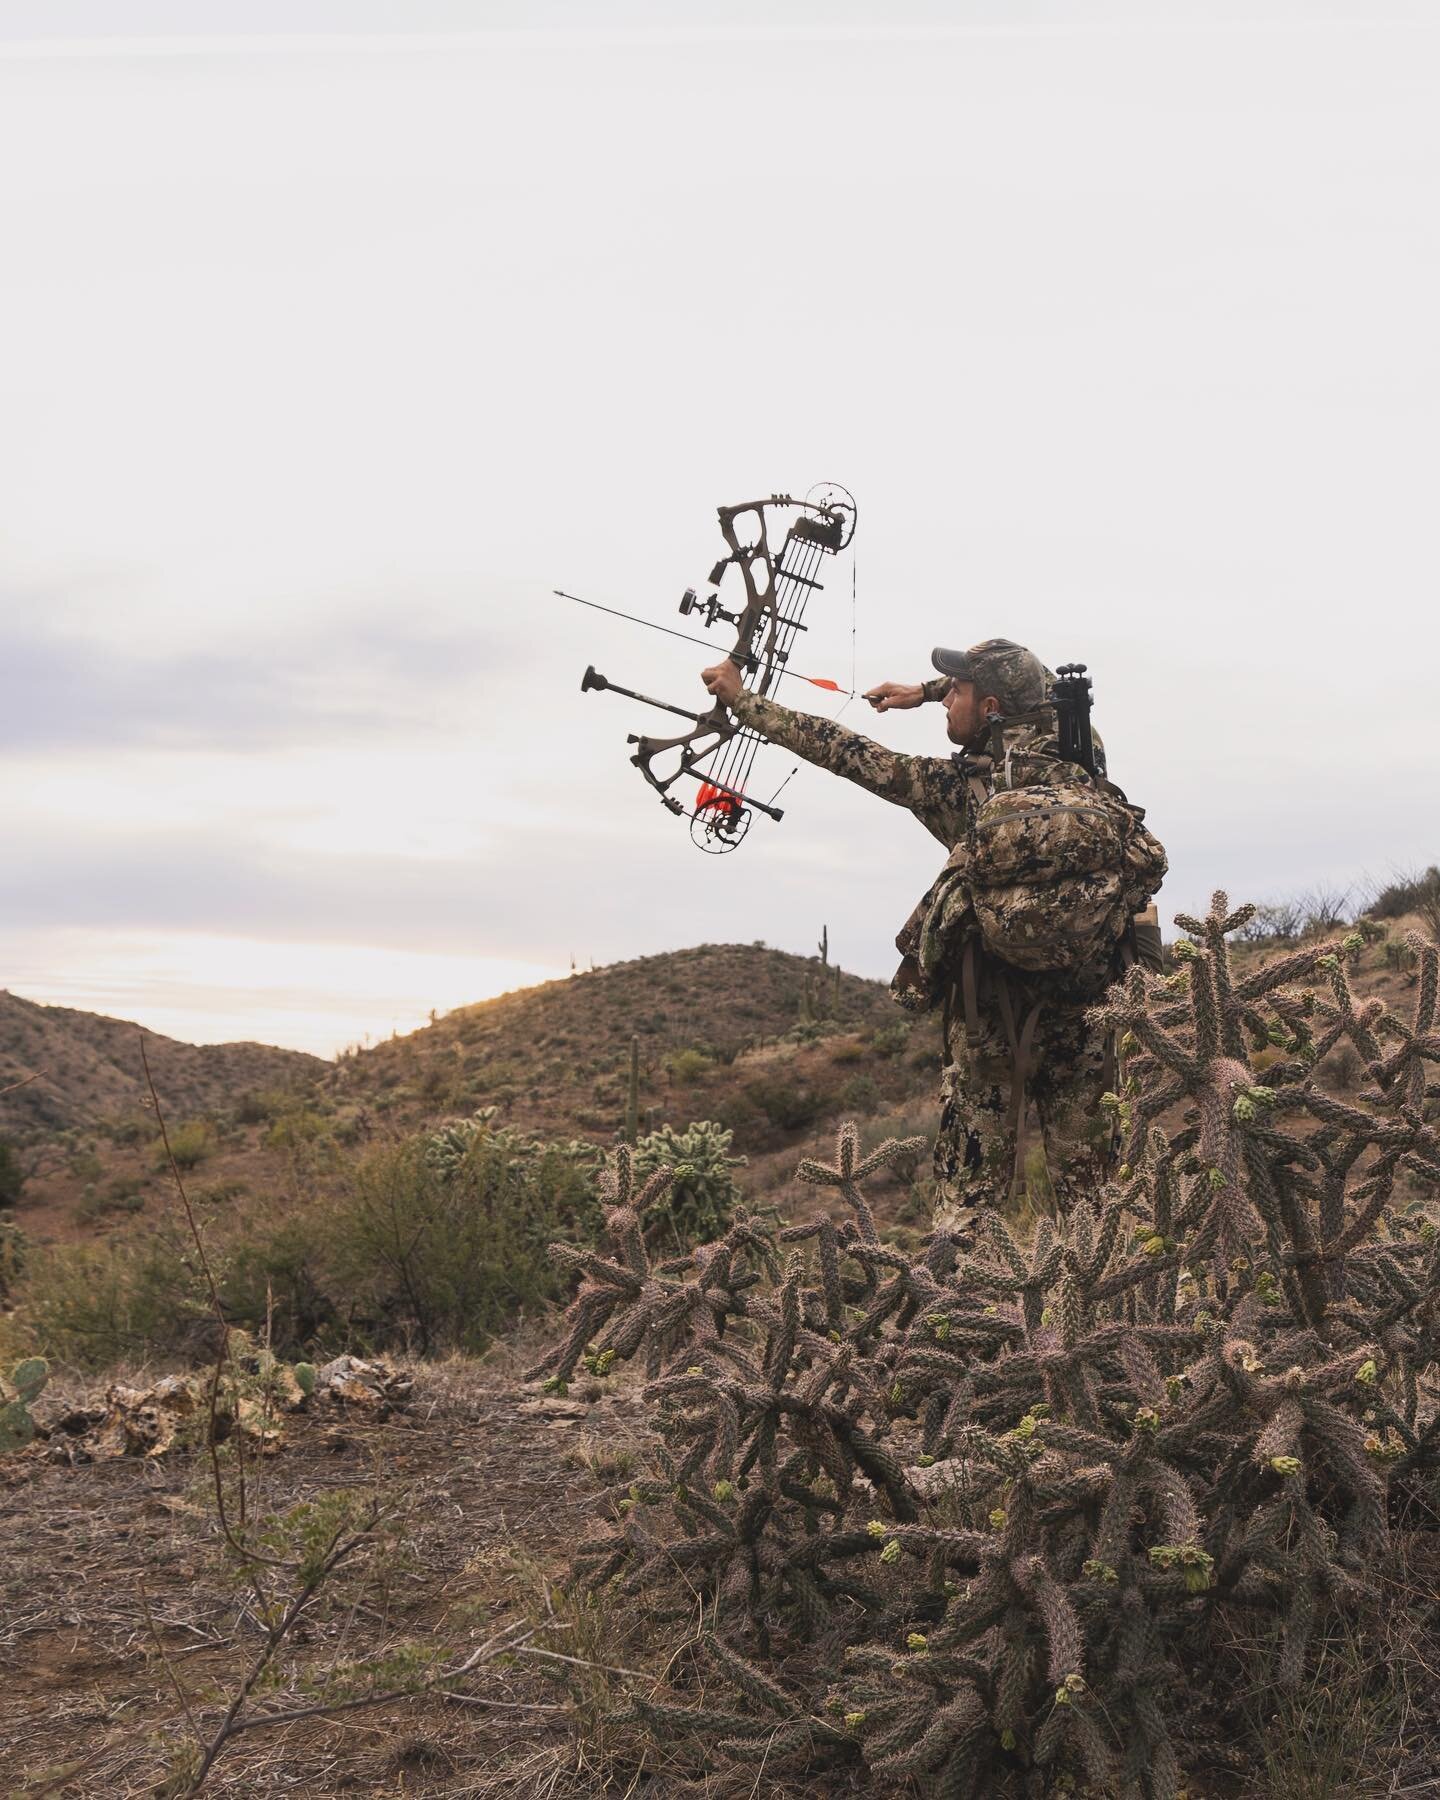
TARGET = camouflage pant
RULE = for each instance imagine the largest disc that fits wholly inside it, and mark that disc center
(975, 1150)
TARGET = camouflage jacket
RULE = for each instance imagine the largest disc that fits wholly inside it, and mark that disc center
(944, 793)
(941, 791)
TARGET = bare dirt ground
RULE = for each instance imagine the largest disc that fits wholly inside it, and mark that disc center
(117, 1600)
(126, 1629)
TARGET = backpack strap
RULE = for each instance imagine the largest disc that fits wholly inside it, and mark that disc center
(1022, 1051)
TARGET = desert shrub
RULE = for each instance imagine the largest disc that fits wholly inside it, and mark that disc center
(1276, 922)
(92, 1304)
(890, 1040)
(687, 1066)
(190, 1144)
(120, 1195)
(13, 1247)
(219, 1193)
(126, 1131)
(1408, 893)
(1323, 908)
(12, 1174)
(294, 1127)
(282, 1278)
(860, 1094)
(785, 1105)
(446, 1254)
(1017, 1496)
(257, 1108)
(738, 1114)
(699, 1200)
(847, 1051)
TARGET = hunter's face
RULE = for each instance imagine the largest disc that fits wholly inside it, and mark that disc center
(966, 713)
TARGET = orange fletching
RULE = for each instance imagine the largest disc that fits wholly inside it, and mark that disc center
(720, 798)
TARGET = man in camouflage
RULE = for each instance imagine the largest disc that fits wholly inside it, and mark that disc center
(996, 1069)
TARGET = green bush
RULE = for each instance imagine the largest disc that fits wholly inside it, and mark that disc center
(687, 1066)
(258, 1106)
(118, 1196)
(295, 1126)
(860, 1094)
(786, 1106)
(13, 1247)
(407, 1249)
(92, 1304)
(190, 1144)
(281, 1277)
(12, 1176)
(446, 1257)
(890, 1040)
(1408, 894)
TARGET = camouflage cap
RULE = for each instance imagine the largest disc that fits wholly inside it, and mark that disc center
(1013, 674)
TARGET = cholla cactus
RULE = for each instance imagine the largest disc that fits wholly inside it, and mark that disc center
(1019, 1486)
(700, 1201)
(447, 1148)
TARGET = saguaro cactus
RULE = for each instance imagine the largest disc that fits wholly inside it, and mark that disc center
(632, 1095)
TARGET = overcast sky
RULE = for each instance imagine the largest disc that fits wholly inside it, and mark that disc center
(333, 337)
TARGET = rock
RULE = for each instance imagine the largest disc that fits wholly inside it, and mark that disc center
(553, 1408)
(353, 1381)
(938, 1479)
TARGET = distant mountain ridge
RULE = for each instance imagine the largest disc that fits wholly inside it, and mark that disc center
(535, 1051)
(86, 1067)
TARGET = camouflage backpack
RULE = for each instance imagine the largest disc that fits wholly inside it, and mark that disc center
(1057, 871)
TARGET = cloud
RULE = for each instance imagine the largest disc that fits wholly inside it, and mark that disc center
(352, 680)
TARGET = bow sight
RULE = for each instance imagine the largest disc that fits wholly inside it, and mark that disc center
(719, 752)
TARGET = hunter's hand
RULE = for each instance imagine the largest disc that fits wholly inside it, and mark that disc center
(892, 695)
(723, 681)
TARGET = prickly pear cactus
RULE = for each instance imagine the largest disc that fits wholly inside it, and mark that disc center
(26, 1383)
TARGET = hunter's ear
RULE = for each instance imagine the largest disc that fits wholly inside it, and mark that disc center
(990, 706)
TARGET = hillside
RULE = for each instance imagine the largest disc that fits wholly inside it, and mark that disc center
(87, 1067)
(556, 1057)
(720, 1032)
(720, 1037)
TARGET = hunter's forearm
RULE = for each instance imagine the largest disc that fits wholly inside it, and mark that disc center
(926, 784)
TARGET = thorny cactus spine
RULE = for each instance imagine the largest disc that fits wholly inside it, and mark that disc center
(1018, 1485)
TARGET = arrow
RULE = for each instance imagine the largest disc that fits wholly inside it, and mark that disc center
(819, 681)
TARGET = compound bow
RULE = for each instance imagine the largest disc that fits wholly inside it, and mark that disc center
(719, 752)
